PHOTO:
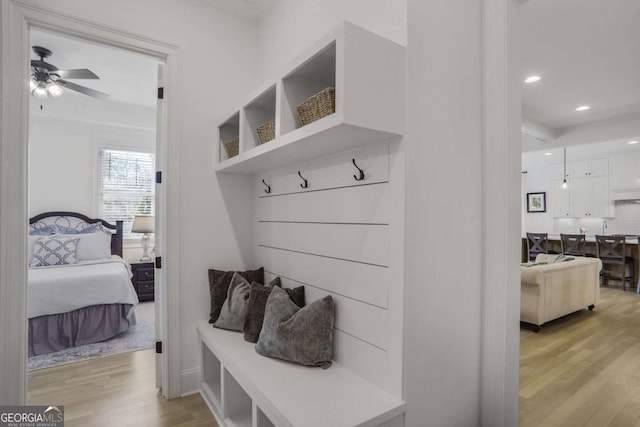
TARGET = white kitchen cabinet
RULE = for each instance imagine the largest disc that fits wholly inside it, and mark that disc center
(625, 172)
(560, 200)
(590, 197)
(557, 171)
(586, 168)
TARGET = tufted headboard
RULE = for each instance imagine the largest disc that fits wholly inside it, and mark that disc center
(79, 221)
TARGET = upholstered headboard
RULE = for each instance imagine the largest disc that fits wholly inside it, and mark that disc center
(79, 221)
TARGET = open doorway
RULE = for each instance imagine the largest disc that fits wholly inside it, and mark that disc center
(92, 191)
(580, 163)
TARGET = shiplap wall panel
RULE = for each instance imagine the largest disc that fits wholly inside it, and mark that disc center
(358, 281)
(364, 359)
(367, 322)
(361, 243)
(368, 204)
(334, 238)
(328, 172)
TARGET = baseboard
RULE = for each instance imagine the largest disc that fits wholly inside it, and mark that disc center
(189, 381)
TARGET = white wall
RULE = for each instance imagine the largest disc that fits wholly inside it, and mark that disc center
(291, 26)
(213, 216)
(64, 149)
(444, 214)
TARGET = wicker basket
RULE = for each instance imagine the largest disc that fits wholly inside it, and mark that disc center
(267, 131)
(232, 146)
(318, 106)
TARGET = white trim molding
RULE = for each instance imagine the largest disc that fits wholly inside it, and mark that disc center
(501, 251)
(18, 16)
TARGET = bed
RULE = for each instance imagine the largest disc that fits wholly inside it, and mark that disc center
(79, 287)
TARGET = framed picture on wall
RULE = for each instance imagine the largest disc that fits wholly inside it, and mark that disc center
(537, 202)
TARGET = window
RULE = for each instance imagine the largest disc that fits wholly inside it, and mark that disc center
(127, 187)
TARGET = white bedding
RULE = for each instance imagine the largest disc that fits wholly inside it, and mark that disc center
(60, 289)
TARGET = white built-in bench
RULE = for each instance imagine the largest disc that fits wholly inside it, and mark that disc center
(245, 389)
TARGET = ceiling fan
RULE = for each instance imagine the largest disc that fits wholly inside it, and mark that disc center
(48, 80)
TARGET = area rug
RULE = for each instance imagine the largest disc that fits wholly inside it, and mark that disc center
(139, 337)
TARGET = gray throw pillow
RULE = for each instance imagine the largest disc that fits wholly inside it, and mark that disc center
(41, 230)
(219, 286)
(300, 335)
(49, 251)
(257, 303)
(234, 308)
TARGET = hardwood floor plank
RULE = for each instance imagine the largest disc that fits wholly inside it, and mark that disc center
(584, 369)
(114, 391)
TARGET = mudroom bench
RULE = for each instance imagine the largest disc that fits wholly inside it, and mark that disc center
(245, 389)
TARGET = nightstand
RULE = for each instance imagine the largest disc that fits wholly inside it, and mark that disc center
(143, 279)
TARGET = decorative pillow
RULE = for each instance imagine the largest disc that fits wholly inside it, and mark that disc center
(91, 246)
(234, 308)
(44, 230)
(300, 335)
(89, 228)
(54, 251)
(219, 286)
(257, 303)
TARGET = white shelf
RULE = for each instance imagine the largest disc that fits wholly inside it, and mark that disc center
(291, 395)
(368, 74)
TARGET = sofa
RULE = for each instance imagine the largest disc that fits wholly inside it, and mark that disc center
(550, 290)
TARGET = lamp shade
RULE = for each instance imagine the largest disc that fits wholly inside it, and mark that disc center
(143, 224)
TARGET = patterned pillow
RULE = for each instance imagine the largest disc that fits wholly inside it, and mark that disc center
(91, 228)
(54, 251)
(42, 230)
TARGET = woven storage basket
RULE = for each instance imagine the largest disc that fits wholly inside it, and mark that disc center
(231, 147)
(318, 106)
(267, 131)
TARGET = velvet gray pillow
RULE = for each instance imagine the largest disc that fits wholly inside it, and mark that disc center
(257, 304)
(219, 286)
(234, 308)
(300, 335)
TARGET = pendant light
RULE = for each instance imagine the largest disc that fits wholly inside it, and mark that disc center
(564, 177)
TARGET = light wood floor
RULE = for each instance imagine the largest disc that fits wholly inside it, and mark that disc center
(114, 391)
(584, 369)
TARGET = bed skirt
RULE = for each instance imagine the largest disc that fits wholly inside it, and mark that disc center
(79, 327)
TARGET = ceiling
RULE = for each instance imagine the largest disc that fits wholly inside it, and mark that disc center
(253, 9)
(587, 53)
(126, 76)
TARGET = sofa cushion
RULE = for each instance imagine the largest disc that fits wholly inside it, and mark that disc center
(219, 286)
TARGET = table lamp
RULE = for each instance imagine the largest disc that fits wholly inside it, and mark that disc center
(144, 224)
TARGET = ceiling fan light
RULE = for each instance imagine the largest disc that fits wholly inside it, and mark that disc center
(54, 90)
(40, 90)
(32, 85)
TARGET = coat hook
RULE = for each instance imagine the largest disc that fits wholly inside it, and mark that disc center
(306, 183)
(268, 190)
(361, 177)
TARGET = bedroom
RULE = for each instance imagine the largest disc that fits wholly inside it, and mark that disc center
(92, 153)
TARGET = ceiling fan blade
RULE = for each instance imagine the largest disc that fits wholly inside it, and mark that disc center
(81, 73)
(84, 90)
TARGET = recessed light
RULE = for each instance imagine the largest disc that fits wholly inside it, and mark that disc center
(548, 154)
(632, 142)
(532, 79)
(583, 108)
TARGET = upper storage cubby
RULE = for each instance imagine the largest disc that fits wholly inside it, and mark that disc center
(364, 71)
(312, 77)
(229, 137)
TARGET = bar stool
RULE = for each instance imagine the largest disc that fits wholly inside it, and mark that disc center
(611, 251)
(573, 244)
(537, 243)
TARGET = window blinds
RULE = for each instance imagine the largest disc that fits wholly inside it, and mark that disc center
(127, 186)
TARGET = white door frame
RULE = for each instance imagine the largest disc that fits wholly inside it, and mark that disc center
(16, 18)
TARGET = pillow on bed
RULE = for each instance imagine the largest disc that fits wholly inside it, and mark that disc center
(257, 303)
(300, 335)
(91, 246)
(54, 250)
(219, 286)
(45, 230)
(91, 228)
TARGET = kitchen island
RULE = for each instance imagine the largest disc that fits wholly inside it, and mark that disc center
(555, 247)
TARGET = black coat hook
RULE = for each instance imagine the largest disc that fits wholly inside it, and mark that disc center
(361, 177)
(306, 183)
(268, 190)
